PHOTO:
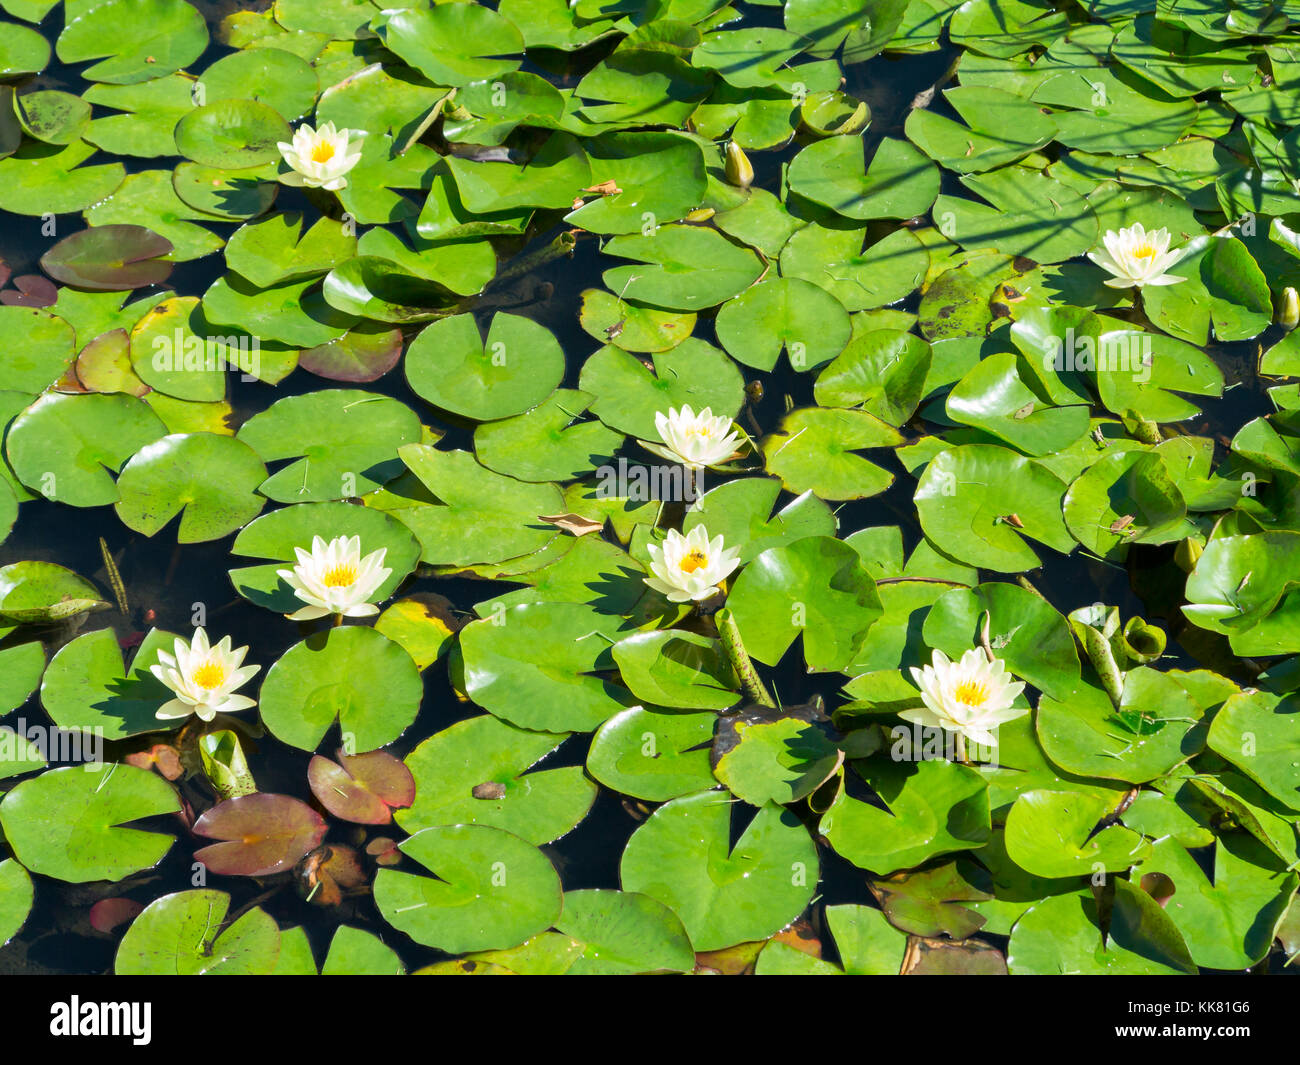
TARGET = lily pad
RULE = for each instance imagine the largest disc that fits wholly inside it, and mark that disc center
(352, 674)
(476, 773)
(210, 480)
(682, 856)
(261, 834)
(70, 823)
(492, 890)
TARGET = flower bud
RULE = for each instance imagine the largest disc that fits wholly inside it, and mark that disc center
(1187, 554)
(739, 170)
(1288, 314)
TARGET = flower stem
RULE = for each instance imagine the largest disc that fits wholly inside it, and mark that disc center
(750, 681)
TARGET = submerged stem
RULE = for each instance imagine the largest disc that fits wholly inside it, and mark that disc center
(750, 681)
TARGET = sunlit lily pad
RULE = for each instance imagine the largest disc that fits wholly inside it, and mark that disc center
(724, 895)
(70, 823)
(134, 40)
(185, 933)
(453, 367)
(344, 443)
(493, 890)
(352, 674)
(476, 773)
(67, 447)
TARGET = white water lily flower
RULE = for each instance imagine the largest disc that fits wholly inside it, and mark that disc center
(694, 440)
(971, 697)
(333, 578)
(321, 157)
(691, 566)
(203, 678)
(1137, 257)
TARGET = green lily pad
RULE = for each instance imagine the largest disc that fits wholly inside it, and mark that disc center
(652, 754)
(516, 367)
(210, 480)
(623, 932)
(134, 40)
(345, 443)
(741, 512)
(281, 80)
(1242, 587)
(49, 178)
(273, 250)
(146, 116)
(42, 592)
(1051, 834)
(1062, 935)
(66, 447)
(69, 823)
(88, 687)
(23, 665)
(899, 181)
(1126, 498)
(354, 952)
(545, 444)
(1228, 921)
(629, 394)
(538, 666)
(452, 46)
(814, 448)
(815, 586)
(883, 372)
(932, 807)
(682, 268)
(481, 516)
(761, 758)
(275, 536)
(185, 934)
(784, 313)
(675, 669)
(861, 278)
(450, 766)
(492, 890)
(353, 674)
(966, 494)
(682, 856)
(16, 895)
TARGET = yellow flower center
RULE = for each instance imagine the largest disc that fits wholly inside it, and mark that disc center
(323, 152)
(210, 675)
(1144, 251)
(693, 561)
(340, 576)
(970, 693)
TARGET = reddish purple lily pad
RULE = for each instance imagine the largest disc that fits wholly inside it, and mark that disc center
(359, 356)
(329, 874)
(364, 788)
(108, 914)
(109, 258)
(33, 291)
(262, 834)
(384, 851)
